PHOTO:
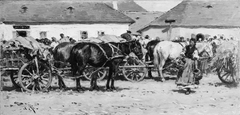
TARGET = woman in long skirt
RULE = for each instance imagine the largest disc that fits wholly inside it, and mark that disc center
(187, 75)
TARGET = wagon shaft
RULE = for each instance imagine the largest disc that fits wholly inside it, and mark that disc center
(137, 66)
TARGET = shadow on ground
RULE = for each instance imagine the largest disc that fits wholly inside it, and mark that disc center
(233, 85)
(182, 91)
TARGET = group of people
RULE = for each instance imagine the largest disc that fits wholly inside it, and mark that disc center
(55, 42)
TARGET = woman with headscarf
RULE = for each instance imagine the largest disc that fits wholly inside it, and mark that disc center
(186, 76)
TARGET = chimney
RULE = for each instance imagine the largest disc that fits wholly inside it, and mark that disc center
(115, 5)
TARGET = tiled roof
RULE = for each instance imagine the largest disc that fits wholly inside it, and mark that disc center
(60, 12)
(141, 19)
(202, 13)
(129, 6)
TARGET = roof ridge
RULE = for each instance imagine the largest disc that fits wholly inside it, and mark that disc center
(193, 13)
(84, 12)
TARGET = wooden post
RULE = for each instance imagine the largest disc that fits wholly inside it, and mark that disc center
(170, 31)
(238, 63)
(170, 28)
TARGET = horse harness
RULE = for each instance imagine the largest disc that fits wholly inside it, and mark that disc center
(180, 44)
(114, 54)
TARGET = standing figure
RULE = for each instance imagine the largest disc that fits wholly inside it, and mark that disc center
(188, 75)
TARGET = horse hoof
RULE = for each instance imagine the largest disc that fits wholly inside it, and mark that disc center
(113, 88)
(162, 80)
(80, 89)
(108, 89)
(91, 89)
(187, 92)
(94, 88)
(45, 90)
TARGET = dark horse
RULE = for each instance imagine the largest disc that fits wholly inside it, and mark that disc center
(149, 55)
(101, 55)
(61, 55)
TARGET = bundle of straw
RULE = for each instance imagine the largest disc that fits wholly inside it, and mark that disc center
(228, 50)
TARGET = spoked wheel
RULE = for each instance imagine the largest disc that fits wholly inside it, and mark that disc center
(35, 77)
(227, 73)
(101, 73)
(134, 70)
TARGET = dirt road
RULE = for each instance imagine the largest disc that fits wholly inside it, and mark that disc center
(148, 97)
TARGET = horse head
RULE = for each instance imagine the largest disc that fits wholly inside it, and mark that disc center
(136, 48)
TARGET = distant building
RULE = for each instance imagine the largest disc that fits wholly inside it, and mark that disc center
(197, 17)
(46, 19)
(141, 19)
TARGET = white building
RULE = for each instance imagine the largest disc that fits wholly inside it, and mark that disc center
(207, 17)
(46, 19)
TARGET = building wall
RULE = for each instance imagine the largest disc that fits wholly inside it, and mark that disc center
(72, 30)
(162, 33)
(228, 32)
(186, 32)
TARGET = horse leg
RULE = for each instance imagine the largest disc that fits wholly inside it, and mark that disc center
(160, 70)
(78, 84)
(109, 77)
(93, 82)
(61, 83)
(75, 68)
(149, 69)
(115, 69)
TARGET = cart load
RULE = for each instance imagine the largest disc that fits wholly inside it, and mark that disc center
(226, 62)
(17, 55)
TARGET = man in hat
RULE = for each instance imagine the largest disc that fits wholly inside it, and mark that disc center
(54, 43)
(127, 36)
(145, 41)
(63, 38)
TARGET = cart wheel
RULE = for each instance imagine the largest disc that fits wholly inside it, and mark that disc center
(32, 81)
(134, 74)
(14, 79)
(89, 70)
(226, 75)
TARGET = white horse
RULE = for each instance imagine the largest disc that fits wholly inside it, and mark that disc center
(171, 50)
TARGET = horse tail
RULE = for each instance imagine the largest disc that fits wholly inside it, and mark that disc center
(156, 55)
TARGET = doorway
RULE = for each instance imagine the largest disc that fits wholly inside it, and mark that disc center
(22, 33)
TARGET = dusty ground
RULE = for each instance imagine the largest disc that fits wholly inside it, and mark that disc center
(148, 97)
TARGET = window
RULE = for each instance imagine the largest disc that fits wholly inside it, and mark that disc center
(70, 9)
(101, 33)
(21, 33)
(23, 9)
(43, 34)
(84, 34)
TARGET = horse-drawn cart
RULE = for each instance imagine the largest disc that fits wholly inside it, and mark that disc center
(25, 70)
(226, 62)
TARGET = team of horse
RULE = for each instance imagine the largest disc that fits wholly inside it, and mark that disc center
(111, 54)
